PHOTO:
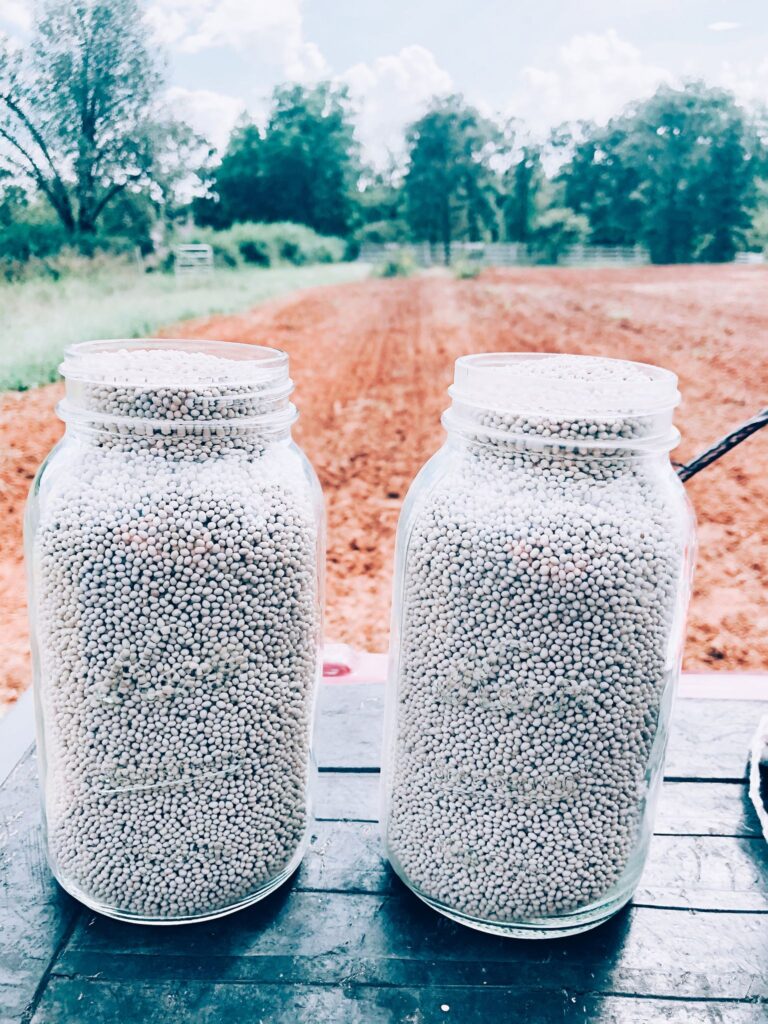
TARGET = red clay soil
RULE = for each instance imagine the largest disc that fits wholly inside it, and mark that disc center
(372, 362)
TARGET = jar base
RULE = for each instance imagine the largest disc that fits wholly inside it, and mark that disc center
(575, 923)
(130, 917)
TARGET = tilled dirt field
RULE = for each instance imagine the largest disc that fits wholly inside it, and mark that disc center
(372, 362)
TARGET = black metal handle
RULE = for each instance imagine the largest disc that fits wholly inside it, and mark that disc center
(706, 458)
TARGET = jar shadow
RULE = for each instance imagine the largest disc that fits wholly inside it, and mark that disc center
(578, 967)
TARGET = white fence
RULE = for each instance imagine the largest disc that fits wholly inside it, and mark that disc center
(192, 260)
(517, 254)
(507, 254)
(749, 258)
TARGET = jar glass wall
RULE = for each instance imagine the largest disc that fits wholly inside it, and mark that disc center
(541, 582)
(175, 547)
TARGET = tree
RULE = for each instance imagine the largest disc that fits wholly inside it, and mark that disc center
(450, 187)
(311, 158)
(674, 172)
(79, 109)
(728, 193)
(757, 237)
(555, 231)
(380, 208)
(303, 167)
(599, 182)
(380, 197)
(522, 185)
(237, 183)
(521, 182)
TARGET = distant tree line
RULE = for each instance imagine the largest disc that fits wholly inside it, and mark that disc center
(684, 174)
(87, 153)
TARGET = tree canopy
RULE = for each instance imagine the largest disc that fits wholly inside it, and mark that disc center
(450, 186)
(303, 166)
(674, 173)
(84, 140)
(79, 119)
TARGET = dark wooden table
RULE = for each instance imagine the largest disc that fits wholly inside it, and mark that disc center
(345, 941)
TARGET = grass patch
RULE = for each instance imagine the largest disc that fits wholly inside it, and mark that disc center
(39, 318)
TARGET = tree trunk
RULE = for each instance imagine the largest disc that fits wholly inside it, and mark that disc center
(86, 224)
(64, 212)
(447, 233)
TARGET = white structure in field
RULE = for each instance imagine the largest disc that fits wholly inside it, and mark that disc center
(193, 259)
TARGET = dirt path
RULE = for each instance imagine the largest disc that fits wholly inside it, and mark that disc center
(372, 362)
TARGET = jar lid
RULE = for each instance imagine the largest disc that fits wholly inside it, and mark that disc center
(168, 362)
(177, 382)
(545, 399)
(564, 385)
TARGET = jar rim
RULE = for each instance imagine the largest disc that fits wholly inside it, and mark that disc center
(172, 384)
(249, 363)
(487, 380)
(578, 403)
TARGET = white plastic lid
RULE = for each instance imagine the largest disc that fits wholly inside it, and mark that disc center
(161, 362)
(563, 385)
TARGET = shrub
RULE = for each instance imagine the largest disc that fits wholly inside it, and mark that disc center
(28, 242)
(378, 232)
(267, 245)
(291, 252)
(34, 243)
(400, 263)
(68, 261)
(466, 270)
(256, 251)
(555, 231)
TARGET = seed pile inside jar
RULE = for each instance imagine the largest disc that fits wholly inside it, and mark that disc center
(539, 596)
(178, 628)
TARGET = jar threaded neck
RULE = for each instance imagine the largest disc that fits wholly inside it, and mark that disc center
(182, 387)
(574, 402)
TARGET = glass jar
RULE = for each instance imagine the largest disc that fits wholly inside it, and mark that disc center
(542, 576)
(174, 544)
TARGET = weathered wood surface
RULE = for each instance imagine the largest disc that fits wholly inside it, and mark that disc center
(345, 941)
(709, 741)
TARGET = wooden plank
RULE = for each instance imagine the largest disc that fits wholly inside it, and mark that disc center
(347, 796)
(724, 685)
(685, 808)
(345, 856)
(310, 938)
(191, 1002)
(705, 873)
(687, 872)
(350, 723)
(35, 915)
(709, 739)
(350, 942)
(17, 734)
(705, 809)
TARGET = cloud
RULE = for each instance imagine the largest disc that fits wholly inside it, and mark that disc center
(594, 76)
(17, 13)
(272, 31)
(212, 114)
(390, 92)
(748, 82)
(723, 26)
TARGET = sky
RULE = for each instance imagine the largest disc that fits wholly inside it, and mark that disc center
(545, 61)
